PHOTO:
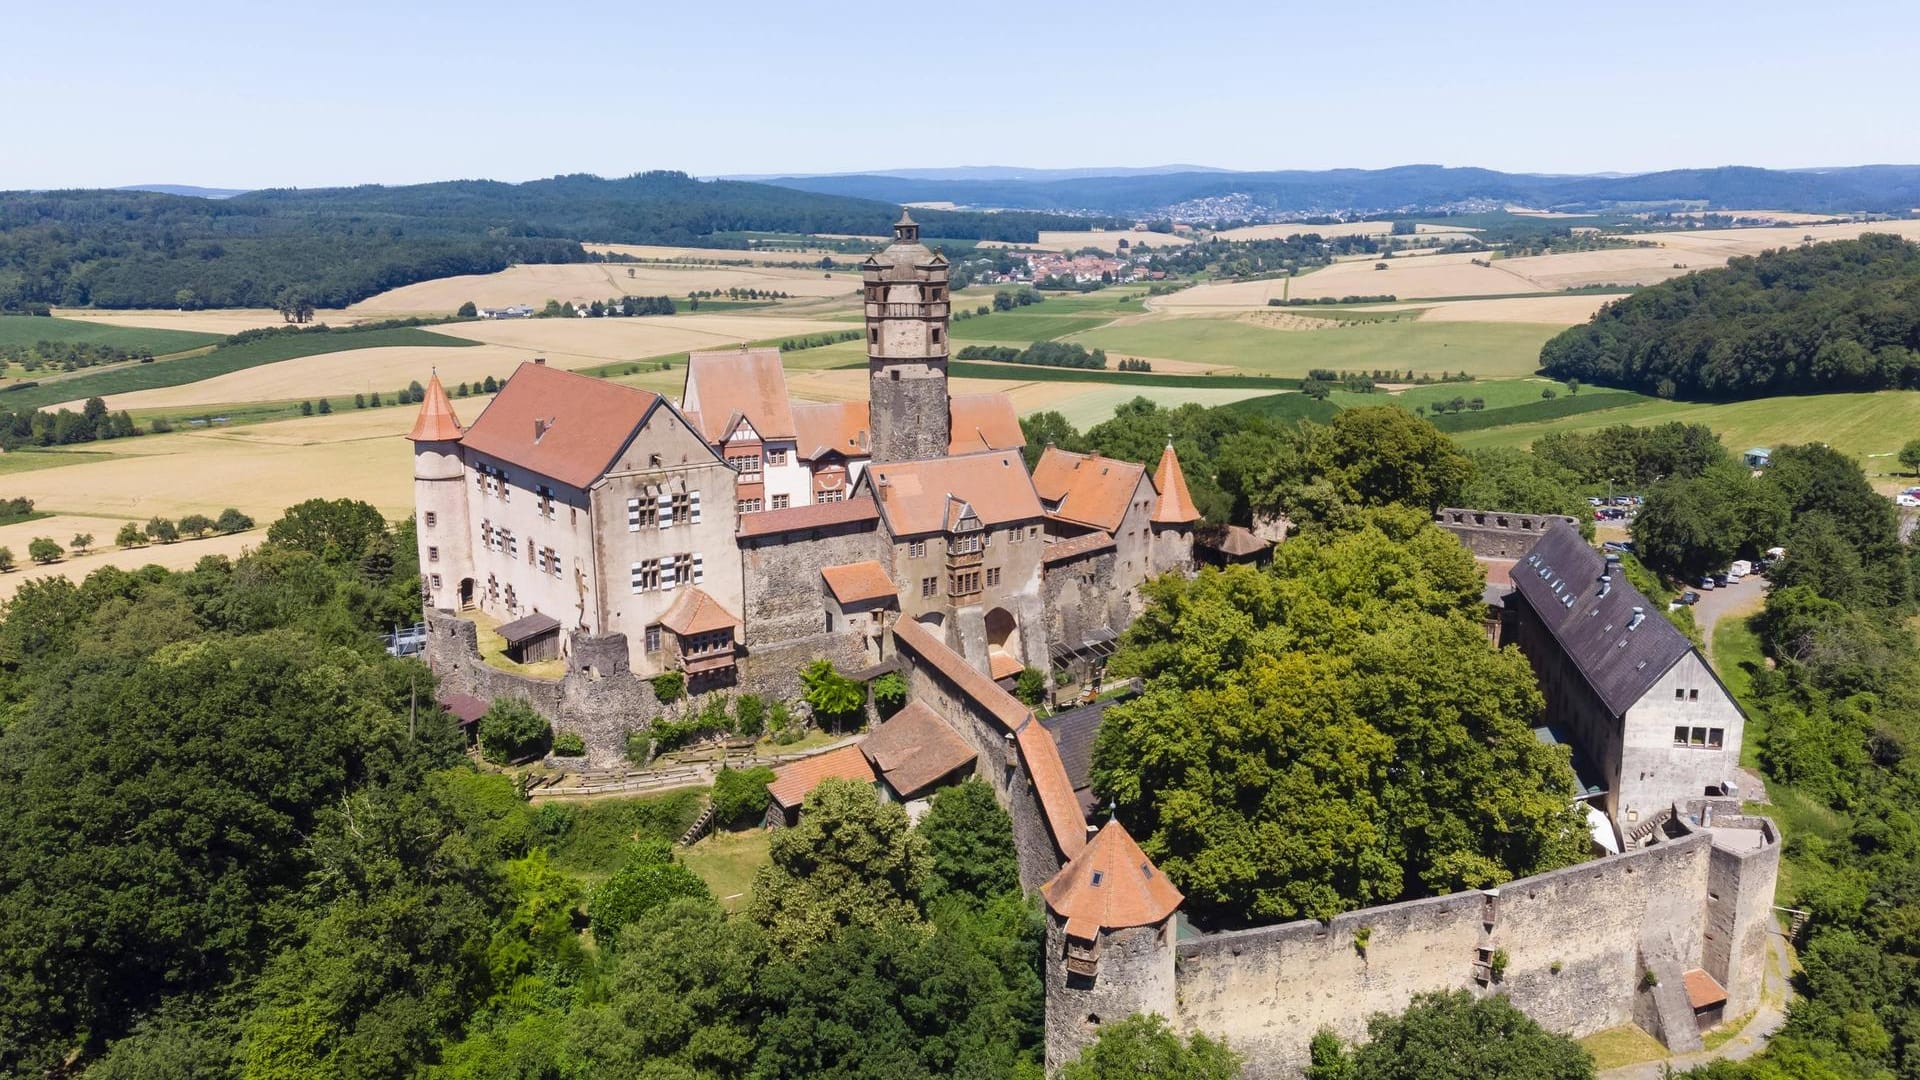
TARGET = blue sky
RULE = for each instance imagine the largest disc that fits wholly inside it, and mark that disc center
(261, 94)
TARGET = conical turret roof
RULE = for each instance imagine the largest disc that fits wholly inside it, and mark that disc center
(1110, 885)
(436, 422)
(1176, 503)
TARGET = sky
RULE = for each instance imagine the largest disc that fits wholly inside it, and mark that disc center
(249, 95)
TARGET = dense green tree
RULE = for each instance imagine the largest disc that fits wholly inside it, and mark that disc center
(161, 530)
(43, 549)
(852, 861)
(741, 793)
(1507, 479)
(648, 880)
(195, 526)
(130, 536)
(467, 310)
(6, 559)
(81, 543)
(834, 698)
(889, 693)
(1333, 732)
(1048, 428)
(1454, 1036)
(338, 530)
(232, 521)
(969, 843)
(510, 730)
(1817, 479)
(1143, 1045)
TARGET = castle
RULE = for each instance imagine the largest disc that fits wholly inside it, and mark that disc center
(737, 535)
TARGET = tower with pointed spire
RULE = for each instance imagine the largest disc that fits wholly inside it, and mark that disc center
(440, 501)
(1173, 517)
(906, 308)
(1110, 941)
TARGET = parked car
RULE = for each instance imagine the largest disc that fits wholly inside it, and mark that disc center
(1689, 598)
(1720, 580)
(1705, 582)
(1904, 499)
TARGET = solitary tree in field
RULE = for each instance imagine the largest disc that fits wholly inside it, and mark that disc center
(293, 305)
(81, 542)
(6, 559)
(44, 549)
(324, 408)
(467, 310)
(1910, 456)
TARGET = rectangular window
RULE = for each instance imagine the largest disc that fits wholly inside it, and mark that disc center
(546, 502)
(1679, 694)
(480, 482)
(966, 583)
(641, 513)
(433, 554)
(834, 495)
(749, 506)
(646, 575)
(929, 586)
(653, 638)
(1680, 736)
(776, 458)
(436, 582)
(781, 502)
(1693, 695)
(1014, 535)
(432, 519)
(747, 465)
(553, 562)
(936, 335)
(682, 504)
(829, 622)
(1716, 738)
(993, 576)
(1697, 737)
(967, 544)
(917, 549)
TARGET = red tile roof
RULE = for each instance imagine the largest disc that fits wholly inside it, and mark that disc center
(1060, 551)
(1087, 489)
(840, 427)
(1176, 504)
(794, 781)
(914, 494)
(982, 422)
(559, 424)
(694, 612)
(817, 515)
(857, 582)
(1038, 754)
(915, 748)
(1110, 885)
(436, 422)
(1703, 990)
(749, 382)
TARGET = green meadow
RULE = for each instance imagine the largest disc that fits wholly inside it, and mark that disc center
(1487, 350)
(29, 329)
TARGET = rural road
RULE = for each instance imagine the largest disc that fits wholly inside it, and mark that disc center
(1776, 989)
(1739, 598)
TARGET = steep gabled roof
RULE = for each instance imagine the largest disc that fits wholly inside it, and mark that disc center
(915, 496)
(979, 422)
(738, 382)
(914, 748)
(1110, 885)
(1176, 504)
(559, 424)
(436, 422)
(793, 782)
(1620, 657)
(1086, 489)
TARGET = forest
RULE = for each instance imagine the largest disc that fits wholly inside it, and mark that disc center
(119, 249)
(1836, 316)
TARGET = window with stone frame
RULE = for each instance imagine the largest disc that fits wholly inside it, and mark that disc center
(682, 506)
(750, 506)
(916, 549)
(747, 465)
(433, 554)
(642, 514)
(432, 519)
(993, 576)
(964, 544)
(965, 583)
(782, 502)
(645, 575)
(929, 586)
(653, 638)
(777, 458)
(832, 495)
(546, 502)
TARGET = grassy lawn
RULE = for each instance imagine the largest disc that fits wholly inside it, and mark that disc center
(596, 842)
(221, 361)
(727, 862)
(19, 461)
(1624, 1045)
(1864, 425)
(1497, 393)
(493, 650)
(29, 329)
(1484, 349)
(1027, 324)
(1736, 656)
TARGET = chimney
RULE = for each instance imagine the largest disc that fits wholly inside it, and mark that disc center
(1606, 584)
(541, 427)
(1639, 614)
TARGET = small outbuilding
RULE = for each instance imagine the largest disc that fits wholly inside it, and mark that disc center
(914, 753)
(1758, 457)
(794, 781)
(532, 637)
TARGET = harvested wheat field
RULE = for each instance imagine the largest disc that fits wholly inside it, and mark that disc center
(337, 375)
(1783, 217)
(224, 321)
(587, 282)
(582, 342)
(262, 469)
(774, 256)
(1552, 310)
(178, 556)
(1284, 229)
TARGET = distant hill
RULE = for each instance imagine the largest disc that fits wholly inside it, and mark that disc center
(187, 189)
(998, 172)
(338, 245)
(1878, 188)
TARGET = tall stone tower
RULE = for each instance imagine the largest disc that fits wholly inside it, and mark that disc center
(440, 500)
(906, 295)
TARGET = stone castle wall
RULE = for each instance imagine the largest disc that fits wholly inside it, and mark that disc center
(1577, 943)
(1498, 534)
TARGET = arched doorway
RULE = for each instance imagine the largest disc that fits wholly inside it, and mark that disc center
(1003, 644)
(466, 593)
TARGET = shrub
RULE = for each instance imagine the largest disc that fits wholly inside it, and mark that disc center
(649, 879)
(325, 408)
(1030, 686)
(569, 744)
(669, 686)
(232, 521)
(750, 715)
(44, 549)
(1498, 965)
(889, 693)
(639, 746)
(511, 730)
(834, 698)
(739, 792)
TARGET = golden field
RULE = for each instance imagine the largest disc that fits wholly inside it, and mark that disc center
(224, 321)
(1282, 230)
(658, 253)
(586, 282)
(178, 556)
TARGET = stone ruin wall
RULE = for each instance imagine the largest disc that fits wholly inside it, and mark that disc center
(1498, 534)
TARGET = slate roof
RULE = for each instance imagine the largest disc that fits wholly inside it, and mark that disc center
(914, 748)
(1110, 885)
(1073, 733)
(1621, 664)
(559, 424)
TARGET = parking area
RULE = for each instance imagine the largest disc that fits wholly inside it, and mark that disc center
(1738, 598)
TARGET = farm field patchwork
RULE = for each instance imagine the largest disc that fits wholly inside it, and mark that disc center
(27, 330)
(586, 282)
(1484, 349)
(219, 321)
